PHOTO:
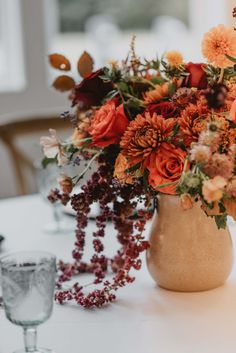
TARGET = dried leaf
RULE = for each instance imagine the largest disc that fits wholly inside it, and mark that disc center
(214, 211)
(230, 206)
(59, 62)
(85, 65)
(64, 83)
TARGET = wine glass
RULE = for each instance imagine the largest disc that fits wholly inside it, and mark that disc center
(28, 282)
(46, 179)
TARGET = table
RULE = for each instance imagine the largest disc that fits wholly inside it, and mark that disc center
(145, 319)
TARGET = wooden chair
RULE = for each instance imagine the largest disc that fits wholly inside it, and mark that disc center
(10, 132)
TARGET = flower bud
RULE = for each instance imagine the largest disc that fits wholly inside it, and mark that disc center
(65, 183)
(186, 201)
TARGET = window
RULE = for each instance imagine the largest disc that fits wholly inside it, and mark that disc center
(11, 60)
(105, 27)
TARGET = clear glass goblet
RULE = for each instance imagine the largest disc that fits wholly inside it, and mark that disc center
(46, 179)
(28, 283)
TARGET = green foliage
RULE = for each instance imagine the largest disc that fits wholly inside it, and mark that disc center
(231, 58)
(133, 168)
(47, 161)
(221, 221)
(171, 71)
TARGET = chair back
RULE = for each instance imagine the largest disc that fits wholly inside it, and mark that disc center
(12, 132)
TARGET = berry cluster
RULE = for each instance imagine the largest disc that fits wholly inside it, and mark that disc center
(118, 204)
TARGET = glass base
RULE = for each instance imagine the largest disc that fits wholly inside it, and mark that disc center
(39, 350)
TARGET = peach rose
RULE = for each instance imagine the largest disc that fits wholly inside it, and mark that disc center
(165, 166)
(121, 165)
(212, 189)
(186, 201)
(108, 125)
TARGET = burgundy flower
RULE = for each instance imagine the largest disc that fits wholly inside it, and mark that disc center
(91, 90)
(197, 77)
(166, 109)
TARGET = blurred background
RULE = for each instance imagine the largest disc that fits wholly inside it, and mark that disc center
(31, 29)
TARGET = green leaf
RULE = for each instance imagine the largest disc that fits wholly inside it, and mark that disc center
(165, 185)
(123, 87)
(222, 207)
(181, 144)
(176, 130)
(46, 161)
(145, 178)
(221, 221)
(172, 89)
(230, 58)
(111, 94)
(133, 168)
(157, 80)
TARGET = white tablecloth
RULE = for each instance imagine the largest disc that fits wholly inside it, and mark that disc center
(145, 319)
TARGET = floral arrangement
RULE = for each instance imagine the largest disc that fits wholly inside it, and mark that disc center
(150, 126)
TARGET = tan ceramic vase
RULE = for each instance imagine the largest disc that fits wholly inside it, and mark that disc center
(187, 252)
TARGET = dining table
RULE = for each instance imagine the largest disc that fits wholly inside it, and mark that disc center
(143, 319)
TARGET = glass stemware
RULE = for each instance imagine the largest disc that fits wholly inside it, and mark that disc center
(46, 181)
(28, 282)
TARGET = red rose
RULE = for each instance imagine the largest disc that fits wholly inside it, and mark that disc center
(91, 90)
(166, 109)
(197, 76)
(108, 125)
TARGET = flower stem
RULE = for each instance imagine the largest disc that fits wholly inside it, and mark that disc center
(88, 166)
(221, 75)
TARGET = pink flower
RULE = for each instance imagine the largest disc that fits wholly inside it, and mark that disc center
(50, 144)
(200, 154)
(213, 189)
(210, 139)
(52, 148)
(219, 164)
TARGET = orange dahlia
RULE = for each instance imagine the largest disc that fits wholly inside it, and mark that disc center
(120, 171)
(193, 121)
(156, 94)
(174, 58)
(217, 43)
(143, 135)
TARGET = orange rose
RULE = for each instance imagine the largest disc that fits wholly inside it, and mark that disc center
(166, 166)
(108, 125)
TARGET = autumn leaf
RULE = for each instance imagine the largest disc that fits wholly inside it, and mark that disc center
(59, 62)
(64, 83)
(85, 65)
